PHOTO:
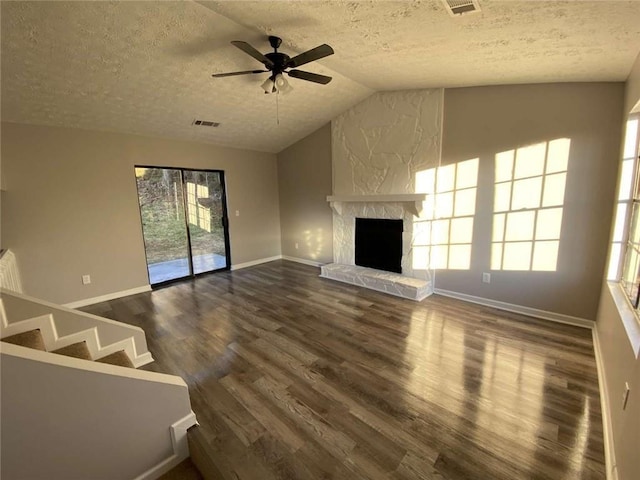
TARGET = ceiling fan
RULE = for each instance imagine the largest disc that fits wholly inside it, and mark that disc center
(279, 63)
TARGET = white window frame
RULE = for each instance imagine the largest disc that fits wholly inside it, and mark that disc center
(629, 311)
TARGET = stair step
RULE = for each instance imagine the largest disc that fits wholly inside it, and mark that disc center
(201, 455)
(185, 470)
(76, 350)
(118, 358)
(32, 339)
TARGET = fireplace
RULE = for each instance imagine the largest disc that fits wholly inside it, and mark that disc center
(378, 244)
(378, 213)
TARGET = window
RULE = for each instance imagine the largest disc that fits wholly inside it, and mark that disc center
(624, 262)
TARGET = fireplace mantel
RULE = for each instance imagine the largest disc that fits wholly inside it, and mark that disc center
(411, 201)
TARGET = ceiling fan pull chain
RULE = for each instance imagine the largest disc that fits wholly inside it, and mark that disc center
(277, 109)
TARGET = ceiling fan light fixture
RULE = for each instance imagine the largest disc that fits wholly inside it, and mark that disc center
(276, 84)
(269, 86)
(281, 84)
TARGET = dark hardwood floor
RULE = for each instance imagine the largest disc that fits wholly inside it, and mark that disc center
(293, 376)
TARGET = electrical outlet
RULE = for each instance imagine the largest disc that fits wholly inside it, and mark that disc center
(237, 213)
(625, 395)
(296, 245)
(486, 277)
(86, 279)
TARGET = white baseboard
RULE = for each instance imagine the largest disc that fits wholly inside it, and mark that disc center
(302, 260)
(109, 296)
(509, 307)
(180, 448)
(605, 407)
(255, 262)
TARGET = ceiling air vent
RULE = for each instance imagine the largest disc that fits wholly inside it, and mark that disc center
(459, 7)
(206, 123)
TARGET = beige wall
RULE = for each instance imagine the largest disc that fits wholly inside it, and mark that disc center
(620, 366)
(304, 178)
(481, 122)
(618, 360)
(632, 94)
(70, 207)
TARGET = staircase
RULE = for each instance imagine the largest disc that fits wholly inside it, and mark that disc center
(40, 332)
(74, 404)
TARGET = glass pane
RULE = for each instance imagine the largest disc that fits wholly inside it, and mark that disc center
(630, 138)
(626, 178)
(163, 225)
(614, 261)
(630, 275)
(621, 220)
(634, 228)
(205, 214)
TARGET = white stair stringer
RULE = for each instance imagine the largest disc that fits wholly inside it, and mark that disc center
(52, 341)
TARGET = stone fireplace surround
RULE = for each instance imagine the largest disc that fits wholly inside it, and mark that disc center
(411, 284)
(381, 152)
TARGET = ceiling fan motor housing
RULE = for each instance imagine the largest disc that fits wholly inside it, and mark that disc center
(279, 61)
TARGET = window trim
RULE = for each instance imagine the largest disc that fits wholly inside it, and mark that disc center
(629, 315)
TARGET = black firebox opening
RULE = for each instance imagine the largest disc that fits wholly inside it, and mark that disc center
(379, 244)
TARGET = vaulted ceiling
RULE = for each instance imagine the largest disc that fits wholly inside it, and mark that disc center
(145, 67)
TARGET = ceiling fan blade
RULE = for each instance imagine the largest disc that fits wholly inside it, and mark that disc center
(317, 53)
(249, 50)
(232, 74)
(311, 77)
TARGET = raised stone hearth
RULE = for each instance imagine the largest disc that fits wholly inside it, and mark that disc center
(387, 282)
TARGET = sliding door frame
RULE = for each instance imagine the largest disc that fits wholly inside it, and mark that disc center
(225, 223)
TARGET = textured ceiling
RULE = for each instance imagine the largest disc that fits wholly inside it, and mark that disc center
(144, 67)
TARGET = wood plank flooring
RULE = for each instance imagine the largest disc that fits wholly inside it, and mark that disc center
(296, 377)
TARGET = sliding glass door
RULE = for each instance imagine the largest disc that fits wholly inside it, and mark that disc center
(206, 219)
(184, 221)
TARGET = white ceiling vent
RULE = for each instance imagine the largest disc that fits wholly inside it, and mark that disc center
(206, 123)
(460, 7)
